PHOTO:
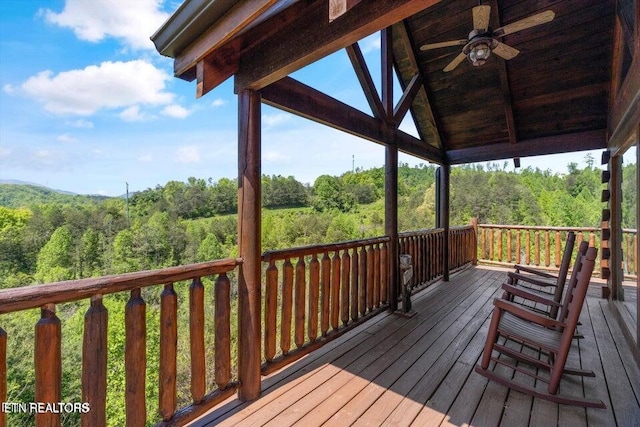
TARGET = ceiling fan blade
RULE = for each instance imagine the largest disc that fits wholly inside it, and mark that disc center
(481, 17)
(456, 61)
(523, 24)
(443, 44)
(505, 51)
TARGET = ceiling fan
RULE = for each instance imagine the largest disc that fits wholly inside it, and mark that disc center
(482, 40)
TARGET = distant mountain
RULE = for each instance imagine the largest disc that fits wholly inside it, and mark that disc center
(15, 194)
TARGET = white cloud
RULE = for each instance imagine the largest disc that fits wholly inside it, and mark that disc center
(274, 156)
(66, 138)
(96, 87)
(9, 89)
(131, 22)
(218, 102)
(370, 44)
(272, 120)
(81, 123)
(188, 154)
(145, 158)
(133, 114)
(176, 111)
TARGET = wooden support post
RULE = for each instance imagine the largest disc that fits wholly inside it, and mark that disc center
(391, 169)
(135, 359)
(443, 191)
(615, 203)
(474, 240)
(249, 225)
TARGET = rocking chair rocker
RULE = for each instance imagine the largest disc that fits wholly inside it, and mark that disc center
(553, 337)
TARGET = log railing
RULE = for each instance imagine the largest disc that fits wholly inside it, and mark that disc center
(314, 294)
(425, 248)
(542, 246)
(48, 341)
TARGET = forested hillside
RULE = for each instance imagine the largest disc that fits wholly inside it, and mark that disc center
(48, 237)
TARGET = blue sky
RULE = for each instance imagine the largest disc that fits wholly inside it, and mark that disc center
(87, 104)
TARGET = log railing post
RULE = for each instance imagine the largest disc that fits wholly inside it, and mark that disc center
(135, 359)
(223, 331)
(48, 364)
(287, 306)
(558, 249)
(335, 290)
(344, 288)
(474, 240)
(326, 293)
(445, 173)
(354, 285)
(168, 351)
(94, 363)
(196, 340)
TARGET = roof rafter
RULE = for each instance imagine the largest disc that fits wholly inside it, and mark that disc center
(297, 98)
(364, 77)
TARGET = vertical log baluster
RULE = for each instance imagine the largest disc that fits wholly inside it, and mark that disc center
(223, 331)
(300, 299)
(94, 363)
(509, 248)
(3, 374)
(527, 247)
(518, 248)
(48, 364)
(362, 281)
(579, 239)
(287, 306)
(635, 254)
(420, 262)
(270, 311)
(537, 247)
(335, 290)
(314, 296)
(168, 351)
(326, 291)
(547, 249)
(490, 233)
(558, 249)
(196, 340)
(344, 290)
(499, 248)
(483, 244)
(370, 274)
(376, 276)
(135, 359)
(384, 273)
(354, 285)
(592, 240)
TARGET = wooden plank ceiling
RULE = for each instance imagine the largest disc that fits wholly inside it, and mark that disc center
(555, 92)
(553, 97)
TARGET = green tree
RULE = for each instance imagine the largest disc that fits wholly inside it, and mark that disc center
(55, 261)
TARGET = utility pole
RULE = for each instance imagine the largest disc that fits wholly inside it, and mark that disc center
(127, 184)
(353, 163)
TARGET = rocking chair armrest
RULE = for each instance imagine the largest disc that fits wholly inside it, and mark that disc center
(524, 314)
(520, 268)
(522, 293)
(531, 280)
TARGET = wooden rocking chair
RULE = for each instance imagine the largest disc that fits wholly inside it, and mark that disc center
(551, 301)
(553, 337)
(539, 281)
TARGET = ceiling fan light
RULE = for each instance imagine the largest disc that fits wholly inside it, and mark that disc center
(479, 54)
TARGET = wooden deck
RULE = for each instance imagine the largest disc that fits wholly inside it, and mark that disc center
(419, 371)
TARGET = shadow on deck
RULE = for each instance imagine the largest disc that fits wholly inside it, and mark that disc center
(419, 371)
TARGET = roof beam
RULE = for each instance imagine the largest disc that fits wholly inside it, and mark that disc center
(297, 98)
(312, 37)
(231, 23)
(364, 77)
(579, 141)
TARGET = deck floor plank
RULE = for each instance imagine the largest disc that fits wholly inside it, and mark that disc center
(419, 371)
